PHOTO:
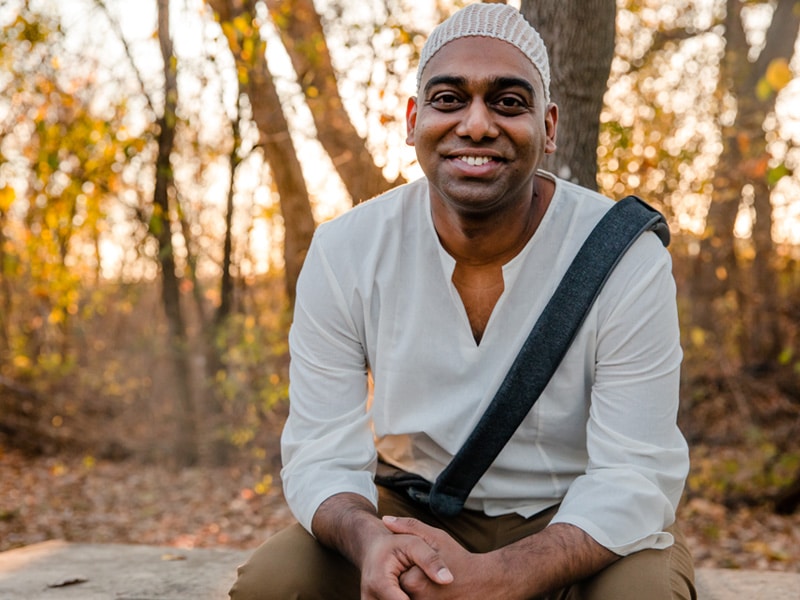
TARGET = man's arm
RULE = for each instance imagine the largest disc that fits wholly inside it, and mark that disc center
(558, 556)
(349, 523)
(327, 444)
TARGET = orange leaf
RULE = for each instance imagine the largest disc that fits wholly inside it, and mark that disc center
(779, 74)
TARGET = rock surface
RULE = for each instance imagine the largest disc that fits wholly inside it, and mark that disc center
(58, 570)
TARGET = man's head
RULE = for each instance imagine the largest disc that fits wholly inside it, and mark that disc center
(482, 122)
(498, 21)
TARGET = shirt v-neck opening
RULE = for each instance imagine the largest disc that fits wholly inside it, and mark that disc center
(510, 272)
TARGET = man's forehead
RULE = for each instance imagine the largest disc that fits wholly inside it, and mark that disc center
(480, 61)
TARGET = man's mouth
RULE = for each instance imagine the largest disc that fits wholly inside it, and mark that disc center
(475, 161)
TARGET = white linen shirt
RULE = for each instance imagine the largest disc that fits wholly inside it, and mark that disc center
(375, 299)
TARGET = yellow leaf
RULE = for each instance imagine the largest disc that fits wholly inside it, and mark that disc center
(247, 49)
(22, 362)
(7, 197)
(763, 89)
(698, 336)
(243, 74)
(56, 316)
(763, 548)
(242, 25)
(227, 29)
(778, 74)
(263, 486)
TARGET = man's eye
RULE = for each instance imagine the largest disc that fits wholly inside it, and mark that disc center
(446, 100)
(511, 104)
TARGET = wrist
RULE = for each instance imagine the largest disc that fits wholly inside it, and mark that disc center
(502, 583)
(349, 524)
(364, 531)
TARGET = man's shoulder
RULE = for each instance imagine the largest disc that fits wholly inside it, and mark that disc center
(574, 210)
(382, 208)
(581, 197)
(371, 236)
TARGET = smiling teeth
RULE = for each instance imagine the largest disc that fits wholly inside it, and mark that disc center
(475, 161)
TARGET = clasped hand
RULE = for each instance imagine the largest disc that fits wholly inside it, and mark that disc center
(420, 562)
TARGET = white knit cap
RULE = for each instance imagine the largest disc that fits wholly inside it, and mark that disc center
(499, 21)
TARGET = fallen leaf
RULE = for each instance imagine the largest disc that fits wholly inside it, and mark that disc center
(173, 557)
(66, 582)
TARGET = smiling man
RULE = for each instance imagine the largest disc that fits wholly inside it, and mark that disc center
(430, 291)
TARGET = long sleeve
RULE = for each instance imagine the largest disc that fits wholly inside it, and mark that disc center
(327, 443)
(637, 457)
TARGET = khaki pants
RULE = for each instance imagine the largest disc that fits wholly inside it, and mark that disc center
(293, 565)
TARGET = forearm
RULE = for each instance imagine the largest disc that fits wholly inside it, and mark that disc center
(347, 522)
(555, 558)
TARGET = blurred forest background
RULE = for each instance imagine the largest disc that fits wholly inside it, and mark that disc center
(163, 166)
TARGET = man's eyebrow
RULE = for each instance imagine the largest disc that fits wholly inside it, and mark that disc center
(507, 82)
(496, 83)
(454, 80)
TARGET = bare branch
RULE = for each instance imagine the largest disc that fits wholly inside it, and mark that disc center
(115, 26)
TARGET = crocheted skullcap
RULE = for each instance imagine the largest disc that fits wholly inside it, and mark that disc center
(498, 21)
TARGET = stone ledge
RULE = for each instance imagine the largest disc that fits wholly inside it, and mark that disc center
(63, 571)
(59, 570)
(733, 584)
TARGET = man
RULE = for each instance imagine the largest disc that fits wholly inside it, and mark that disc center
(429, 291)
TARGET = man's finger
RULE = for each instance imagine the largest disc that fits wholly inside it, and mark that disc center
(431, 564)
(411, 527)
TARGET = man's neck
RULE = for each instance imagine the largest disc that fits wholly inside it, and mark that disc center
(492, 240)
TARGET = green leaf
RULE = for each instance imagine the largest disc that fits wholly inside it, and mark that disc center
(775, 174)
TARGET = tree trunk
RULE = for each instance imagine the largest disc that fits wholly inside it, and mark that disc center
(5, 289)
(226, 283)
(279, 151)
(301, 31)
(744, 160)
(220, 444)
(579, 35)
(186, 450)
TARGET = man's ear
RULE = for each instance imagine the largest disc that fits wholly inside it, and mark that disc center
(551, 127)
(411, 120)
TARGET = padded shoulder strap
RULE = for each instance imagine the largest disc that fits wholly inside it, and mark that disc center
(544, 348)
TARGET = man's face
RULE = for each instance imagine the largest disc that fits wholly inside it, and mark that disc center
(480, 126)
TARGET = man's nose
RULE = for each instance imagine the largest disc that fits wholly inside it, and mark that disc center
(477, 122)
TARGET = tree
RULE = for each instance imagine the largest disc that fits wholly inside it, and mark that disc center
(187, 446)
(745, 163)
(688, 122)
(59, 169)
(302, 34)
(579, 36)
(61, 159)
(241, 28)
